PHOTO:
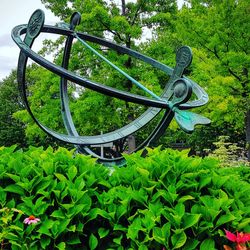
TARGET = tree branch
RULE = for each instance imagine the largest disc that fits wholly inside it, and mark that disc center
(234, 74)
(113, 32)
(136, 14)
(207, 48)
(235, 91)
(241, 47)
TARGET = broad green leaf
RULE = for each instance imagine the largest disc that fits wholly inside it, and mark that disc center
(185, 198)
(104, 183)
(178, 240)
(119, 227)
(204, 181)
(13, 188)
(158, 235)
(166, 230)
(3, 195)
(245, 222)
(15, 178)
(16, 228)
(67, 206)
(145, 173)
(61, 177)
(142, 247)
(176, 220)
(150, 189)
(93, 213)
(74, 240)
(103, 232)
(172, 192)
(218, 181)
(180, 209)
(63, 225)
(45, 241)
(134, 228)
(207, 244)
(72, 228)
(190, 219)
(15, 245)
(46, 181)
(61, 246)
(191, 244)
(25, 184)
(72, 172)
(45, 226)
(11, 236)
(79, 227)
(118, 240)
(11, 204)
(55, 229)
(58, 214)
(140, 196)
(80, 208)
(93, 242)
(162, 193)
(79, 183)
(48, 167)
(225, 219)
(61, 185)
(40, 206)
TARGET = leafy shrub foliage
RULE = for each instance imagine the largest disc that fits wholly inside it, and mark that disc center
(228, 153)
(166, 200)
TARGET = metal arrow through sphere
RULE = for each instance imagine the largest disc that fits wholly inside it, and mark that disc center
(173, 100)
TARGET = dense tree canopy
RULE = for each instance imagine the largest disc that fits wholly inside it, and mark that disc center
(217, 32)
(11, 129)
(122, 23)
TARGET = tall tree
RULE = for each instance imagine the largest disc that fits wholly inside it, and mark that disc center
(124, 22)
(219, 30)
(11, 129)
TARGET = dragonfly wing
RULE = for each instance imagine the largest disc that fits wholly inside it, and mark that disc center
(187, 120)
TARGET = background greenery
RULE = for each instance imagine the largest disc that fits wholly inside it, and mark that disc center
(217, 32)
(164, 200)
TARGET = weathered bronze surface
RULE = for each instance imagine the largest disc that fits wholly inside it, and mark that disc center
(174, 101)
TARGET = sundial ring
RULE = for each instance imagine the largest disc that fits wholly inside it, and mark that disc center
(35, 23)
(174, 99)
(184, 56)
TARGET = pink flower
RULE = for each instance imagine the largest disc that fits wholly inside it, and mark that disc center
(31, 220)
(239, 238)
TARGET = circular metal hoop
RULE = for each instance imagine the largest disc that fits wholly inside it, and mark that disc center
(183, 58)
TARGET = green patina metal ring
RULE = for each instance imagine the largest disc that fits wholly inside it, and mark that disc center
(173, 100)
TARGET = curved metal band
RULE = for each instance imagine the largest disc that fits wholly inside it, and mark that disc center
(68, 122)
(65, 110)
(141, 121)
(123, 95)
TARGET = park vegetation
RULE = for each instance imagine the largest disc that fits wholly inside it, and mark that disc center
(167, 200)
(217, 32)
(164, 201)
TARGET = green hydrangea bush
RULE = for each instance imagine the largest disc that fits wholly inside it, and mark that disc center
(164, 201)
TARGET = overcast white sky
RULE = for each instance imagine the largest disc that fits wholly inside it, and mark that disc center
(12, 13)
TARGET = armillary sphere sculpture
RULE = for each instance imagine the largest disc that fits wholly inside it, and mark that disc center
(174, 100)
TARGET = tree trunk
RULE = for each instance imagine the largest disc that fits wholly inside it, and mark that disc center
(131, 143)
(123, 8)
(128, 64)
(248, 134)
